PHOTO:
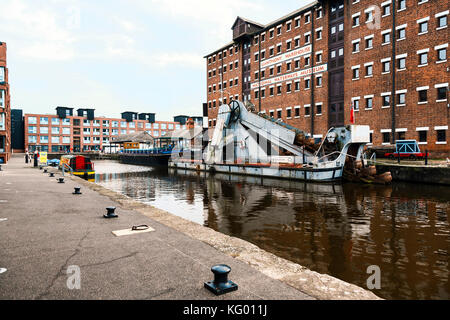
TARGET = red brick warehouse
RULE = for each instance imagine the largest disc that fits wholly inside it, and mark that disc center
(5, 108)
(387, 59)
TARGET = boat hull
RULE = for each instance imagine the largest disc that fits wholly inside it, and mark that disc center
(153, 160)
(306, 174)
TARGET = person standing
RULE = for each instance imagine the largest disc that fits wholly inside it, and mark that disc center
(26, 157)
(35, 164)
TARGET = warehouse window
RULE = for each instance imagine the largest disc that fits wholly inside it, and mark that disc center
(288, 45)
(401, 5)
(386, 137)
(401, 99)
(289, 113)
(442, 55)
(423, 96)
(386, 101)
(319, 81)
(369, 70)
(355, 20)
(318, 109)
(307, 18)
(423, 27)
(442, 21)
(307, 110)
(355, 103)
(386, 10)
(307, 38)
(441, 136)
(355, 73)
(423, 58)
(369, 16)
(401, 33)
(369, 43)
(423, 136)
(318, 34)
(356, 46)
(386, 66)
(289, 87)
(401, 63)
(319, 57)
(369, 102)
(442, 93)
(386, 37)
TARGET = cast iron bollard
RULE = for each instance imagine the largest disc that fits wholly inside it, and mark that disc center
(110, 213)
(45, 170)
(221, 284)
(0, 167)
(426, 157)
(60, 180)
(51, 175)
(77, 190)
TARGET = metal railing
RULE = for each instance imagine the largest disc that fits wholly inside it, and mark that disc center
(69, 167)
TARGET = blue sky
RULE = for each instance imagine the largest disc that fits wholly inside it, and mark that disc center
(119, 55)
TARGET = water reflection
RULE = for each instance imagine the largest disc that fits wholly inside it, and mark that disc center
(335, 229)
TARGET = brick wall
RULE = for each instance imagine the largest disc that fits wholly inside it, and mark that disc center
(411, 116)
(5, 111)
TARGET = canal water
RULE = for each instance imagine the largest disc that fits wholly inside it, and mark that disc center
(337, 229)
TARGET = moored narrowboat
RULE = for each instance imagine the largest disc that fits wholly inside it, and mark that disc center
(80, 166)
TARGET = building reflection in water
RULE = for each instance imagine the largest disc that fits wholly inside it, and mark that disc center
(330, 228)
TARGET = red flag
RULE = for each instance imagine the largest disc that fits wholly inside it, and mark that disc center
(352, 115)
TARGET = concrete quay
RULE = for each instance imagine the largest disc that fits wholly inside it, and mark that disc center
(49, 230)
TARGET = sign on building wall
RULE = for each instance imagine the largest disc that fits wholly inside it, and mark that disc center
(286, 56)
(290, 76)
(131, 145)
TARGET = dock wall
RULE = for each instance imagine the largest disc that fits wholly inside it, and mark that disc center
(418, 174)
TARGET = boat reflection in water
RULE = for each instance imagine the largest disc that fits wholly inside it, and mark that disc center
(337, 229)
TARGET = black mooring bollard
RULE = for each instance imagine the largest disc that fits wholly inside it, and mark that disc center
(77, 190)
(110, 213)
(0, 167)
(426, 157)
(60, 180)
(51, 175)
(221, 284)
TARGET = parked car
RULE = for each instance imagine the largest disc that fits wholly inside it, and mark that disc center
(406, 149)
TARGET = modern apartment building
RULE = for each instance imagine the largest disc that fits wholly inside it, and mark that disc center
(5, 108)
(66, 132)
(386, 59)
